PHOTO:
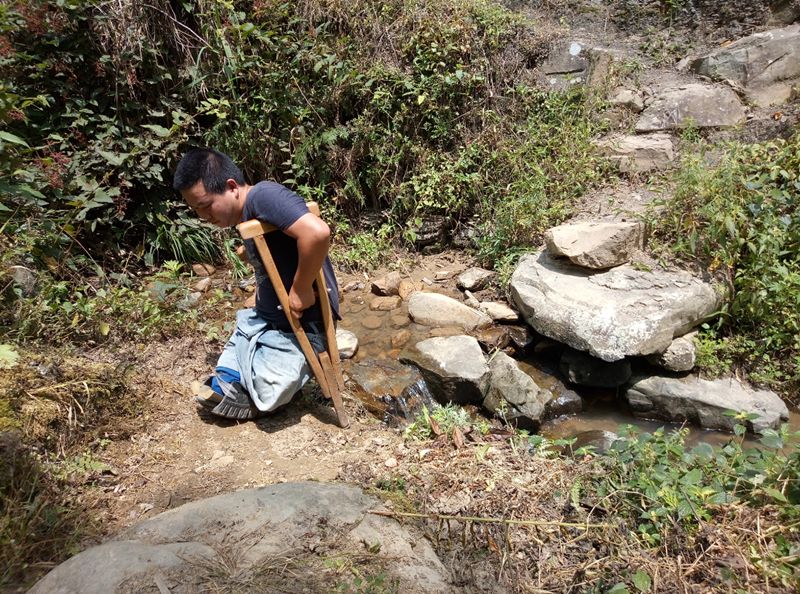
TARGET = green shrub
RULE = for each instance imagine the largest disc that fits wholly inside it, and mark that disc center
(741, 218)
(666, 490)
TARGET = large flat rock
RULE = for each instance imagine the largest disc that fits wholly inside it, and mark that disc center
(224, 544)
(639, 154)
(611, 315)
(696, 104)
(704, 402)
(766, 64)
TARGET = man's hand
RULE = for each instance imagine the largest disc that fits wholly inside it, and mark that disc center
(241, 251)
(300, 299)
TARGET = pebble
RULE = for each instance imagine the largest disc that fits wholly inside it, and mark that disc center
(390, 463)
(371, 322)
(400, 321)
(353, 286)
(401, 338)
(203, 269)
(203, 284)
(385, 303)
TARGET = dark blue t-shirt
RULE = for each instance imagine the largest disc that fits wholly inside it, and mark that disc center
(270, 202)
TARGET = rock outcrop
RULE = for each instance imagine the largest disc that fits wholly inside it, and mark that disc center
(766, 65)
(639, 154)
(700, 105)
(179, 550)
(611, 315)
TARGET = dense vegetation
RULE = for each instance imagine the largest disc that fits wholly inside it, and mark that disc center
(740, 218)
(398, 117)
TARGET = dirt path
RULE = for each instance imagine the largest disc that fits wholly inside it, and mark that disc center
(182, 454)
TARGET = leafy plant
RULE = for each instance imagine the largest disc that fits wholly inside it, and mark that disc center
(741, 218)
(668, 489)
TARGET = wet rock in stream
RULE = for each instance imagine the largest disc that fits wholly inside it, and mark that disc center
(434, 309)
(454, 367)
(389, 390)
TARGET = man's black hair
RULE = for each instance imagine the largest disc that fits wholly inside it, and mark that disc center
(212, 167)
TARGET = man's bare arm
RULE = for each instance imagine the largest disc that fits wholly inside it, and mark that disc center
(313, 238)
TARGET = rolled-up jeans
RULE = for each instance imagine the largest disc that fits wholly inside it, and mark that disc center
(268, 361)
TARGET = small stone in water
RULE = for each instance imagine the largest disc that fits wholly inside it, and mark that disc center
(401, 338)
(371, 322)
(406, 288)
(385, 303)
(400, 321)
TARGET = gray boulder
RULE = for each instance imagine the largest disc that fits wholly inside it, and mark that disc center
(433, 309)
(453, 366)
(584, 370)
(639, 154)
(611, 315)
(701, 105)
(513, 392)
(180, 550)
(562, 402)
(595, 245)
(474, 279)
(766, 65)
(680, 355)
(704, 402)
(25, 279)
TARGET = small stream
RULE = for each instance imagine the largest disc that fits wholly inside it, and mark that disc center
(383, 335)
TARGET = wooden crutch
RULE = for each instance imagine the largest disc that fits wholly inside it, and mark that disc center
(325, 366)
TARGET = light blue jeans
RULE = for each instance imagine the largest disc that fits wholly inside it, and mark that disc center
(270, 362)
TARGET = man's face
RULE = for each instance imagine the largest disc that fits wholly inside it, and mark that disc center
(222, 210)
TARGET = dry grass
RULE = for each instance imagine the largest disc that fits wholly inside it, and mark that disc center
(551, 542)
(53, 407)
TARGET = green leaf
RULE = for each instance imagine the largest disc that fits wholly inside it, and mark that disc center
(775, 494)
(104, 328)
(642, 581)
(619, 588)
(771, 439)
(12, 138)
(8, 356)
(692, 477)
(115, 159)
(159, 130)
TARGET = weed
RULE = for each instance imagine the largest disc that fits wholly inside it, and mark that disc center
(442, 420)
(740, 218)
